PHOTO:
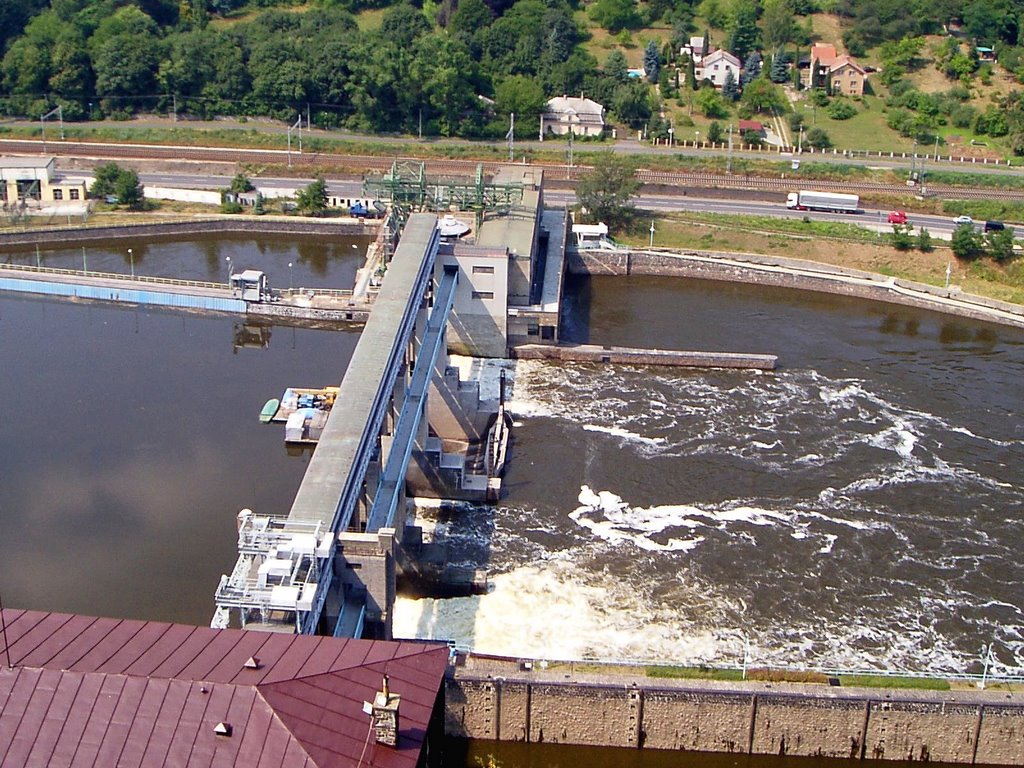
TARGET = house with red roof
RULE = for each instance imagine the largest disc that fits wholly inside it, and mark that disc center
(78, 690)
(832, 71)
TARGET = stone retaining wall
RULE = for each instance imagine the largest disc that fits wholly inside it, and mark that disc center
(745, 718)
(798, 274)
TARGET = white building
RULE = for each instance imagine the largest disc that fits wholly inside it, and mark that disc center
(715, 66)
(695, 50)
(569, 114)
(24, 179)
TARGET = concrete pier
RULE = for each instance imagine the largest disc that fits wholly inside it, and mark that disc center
(591, 353)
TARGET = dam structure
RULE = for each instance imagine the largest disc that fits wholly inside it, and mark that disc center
(403, 423)
(402, 420)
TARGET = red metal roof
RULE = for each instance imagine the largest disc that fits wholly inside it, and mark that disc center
(78, 690)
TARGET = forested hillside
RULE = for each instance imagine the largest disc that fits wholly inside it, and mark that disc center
(459, 67)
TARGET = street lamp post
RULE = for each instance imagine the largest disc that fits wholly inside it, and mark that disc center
(291, 284)
(728, 161)
(696, 138)
(131, 261)
(228, 259)
(800, 141)
(670, 132)
(652, 234)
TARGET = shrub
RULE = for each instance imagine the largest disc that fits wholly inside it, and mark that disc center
(924, 241)
(841, 109)
(818, 138)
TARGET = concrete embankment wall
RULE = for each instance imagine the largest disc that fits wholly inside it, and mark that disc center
(590, 353)
(244, 225)
(745, 718)
(794, 273)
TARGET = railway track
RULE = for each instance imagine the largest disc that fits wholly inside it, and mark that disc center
(365, 163)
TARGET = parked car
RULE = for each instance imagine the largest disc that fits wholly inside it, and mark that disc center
(994, 226)
(897, 217)
(963, 220)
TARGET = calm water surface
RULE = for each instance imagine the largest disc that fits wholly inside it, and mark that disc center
(130, 441)
(316, 262)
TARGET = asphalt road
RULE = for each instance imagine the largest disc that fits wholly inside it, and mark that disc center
(873, 219)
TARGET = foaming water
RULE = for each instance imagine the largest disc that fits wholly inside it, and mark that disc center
(859, 508)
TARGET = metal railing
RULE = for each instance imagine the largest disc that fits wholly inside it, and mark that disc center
(142, 279)
(990, 675)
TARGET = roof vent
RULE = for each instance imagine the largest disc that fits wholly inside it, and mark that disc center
(252, 663)
(223, 729)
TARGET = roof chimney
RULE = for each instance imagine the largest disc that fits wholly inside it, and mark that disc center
(385, 715)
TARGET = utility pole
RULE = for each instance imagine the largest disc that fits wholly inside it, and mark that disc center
(296, 127)
(174, 107)
(420, 132)
(511, 136)
(59, 112)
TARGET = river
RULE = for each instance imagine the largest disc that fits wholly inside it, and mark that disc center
(859, 508)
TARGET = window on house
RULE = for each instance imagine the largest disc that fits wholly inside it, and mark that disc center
(58, 194)
(483, 294)
(482, 270)
(74, 194)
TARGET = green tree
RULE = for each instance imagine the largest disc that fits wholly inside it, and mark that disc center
(817, 138)
(751, 68)
(615, 66)
(762, 95)
(631, 103)
(522, 96)
(128, 190)
(605, 191)
(779, 71)
(743, 32)
(470, 17)
(312, 200)
(730, 92)
(402, 24)
(966, 242)
(1000, 244)
(901, 239)
(710, 103)
(652, 61)
(714, 12)
(924, 241)
(777, 23)
(715, 133)
(615, 15)
(444, 69)
(241, 183)
(104, 180)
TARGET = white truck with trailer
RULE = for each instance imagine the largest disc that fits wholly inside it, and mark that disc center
(822, 201)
